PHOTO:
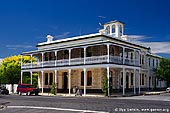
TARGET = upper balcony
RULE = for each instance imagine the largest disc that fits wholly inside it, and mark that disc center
(81, 61)
(98, 54)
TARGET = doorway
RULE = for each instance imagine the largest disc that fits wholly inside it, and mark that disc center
(127, 80)
(65, 80)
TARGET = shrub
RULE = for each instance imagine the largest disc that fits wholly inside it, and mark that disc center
(53, 89)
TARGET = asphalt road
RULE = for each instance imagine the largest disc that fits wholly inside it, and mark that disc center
(58, 104)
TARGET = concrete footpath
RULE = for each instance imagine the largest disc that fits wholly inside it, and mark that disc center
(101, 95)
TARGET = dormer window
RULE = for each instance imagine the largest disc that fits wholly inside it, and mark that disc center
(108, 29)
(113, 29)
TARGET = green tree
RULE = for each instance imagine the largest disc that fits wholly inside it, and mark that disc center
(163, 70)
(10, 69)
(105, 84)
(27, 78)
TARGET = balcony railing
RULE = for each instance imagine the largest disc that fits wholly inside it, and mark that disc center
(96, 59)
(80, 61)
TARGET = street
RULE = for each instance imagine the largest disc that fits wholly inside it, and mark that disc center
(60, 104)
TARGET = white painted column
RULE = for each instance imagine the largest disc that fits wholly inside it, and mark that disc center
(85, 81)
(69, 56)
(55, 72)
(21, 76)
(123, 55)
(108, 53)
(69, 81)
(139, 81)
(21, 61)
(124, 82)
(31, 60)
(55, 58)
(139, 57)
(134, 59)
(31, 76)
(122, 30)
(42, 58)
(108, 77)
(110, 29)
(42, 82)
(134, 81)
(85, 55)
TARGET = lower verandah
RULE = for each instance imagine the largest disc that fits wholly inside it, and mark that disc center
(92, 80)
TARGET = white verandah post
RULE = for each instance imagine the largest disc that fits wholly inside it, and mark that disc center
(31, 76)
(21, 76)
(124, 82)
(69, 82)
(42, 81)
(108, 77)
(84, 81)
(134, 81)
(139, 80)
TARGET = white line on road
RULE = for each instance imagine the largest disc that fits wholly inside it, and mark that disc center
(59, 109)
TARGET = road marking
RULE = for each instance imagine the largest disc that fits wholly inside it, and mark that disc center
(58, 109)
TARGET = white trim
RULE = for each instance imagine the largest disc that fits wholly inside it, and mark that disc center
(83, 66)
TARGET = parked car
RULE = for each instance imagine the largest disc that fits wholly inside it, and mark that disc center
(3, 90)
(28, 89)
(168, 89)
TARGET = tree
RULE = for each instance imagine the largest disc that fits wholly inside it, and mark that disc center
(27, 79)
(10, 69)
(163, 70)
(105, 84)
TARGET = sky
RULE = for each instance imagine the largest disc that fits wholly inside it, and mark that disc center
(25, 23)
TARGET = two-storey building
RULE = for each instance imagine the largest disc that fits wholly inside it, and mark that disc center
(82, 61)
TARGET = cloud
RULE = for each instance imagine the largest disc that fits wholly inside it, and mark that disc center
(138, 38)
(101, 17)
(159, 47)
(15, 47)
(64, 35)
(156, 47)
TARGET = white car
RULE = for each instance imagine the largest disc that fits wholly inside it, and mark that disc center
(168, 89)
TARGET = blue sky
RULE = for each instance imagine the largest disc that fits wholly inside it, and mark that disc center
(24, 23)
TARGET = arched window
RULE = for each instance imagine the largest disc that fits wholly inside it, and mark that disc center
(46, 78)
(89, 78)
(120, 27)
(131, 79)
(113, 28)
(51, 79)
(108, 29)
(82, 78)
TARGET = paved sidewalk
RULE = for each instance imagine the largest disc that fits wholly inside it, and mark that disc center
(118, 94)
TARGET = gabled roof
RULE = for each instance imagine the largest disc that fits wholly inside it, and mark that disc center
(90, 36)
(113, 22)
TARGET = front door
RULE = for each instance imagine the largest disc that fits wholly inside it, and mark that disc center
(127, 80)
(65, 74)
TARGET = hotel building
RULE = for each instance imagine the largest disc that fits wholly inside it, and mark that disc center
(82, 61)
